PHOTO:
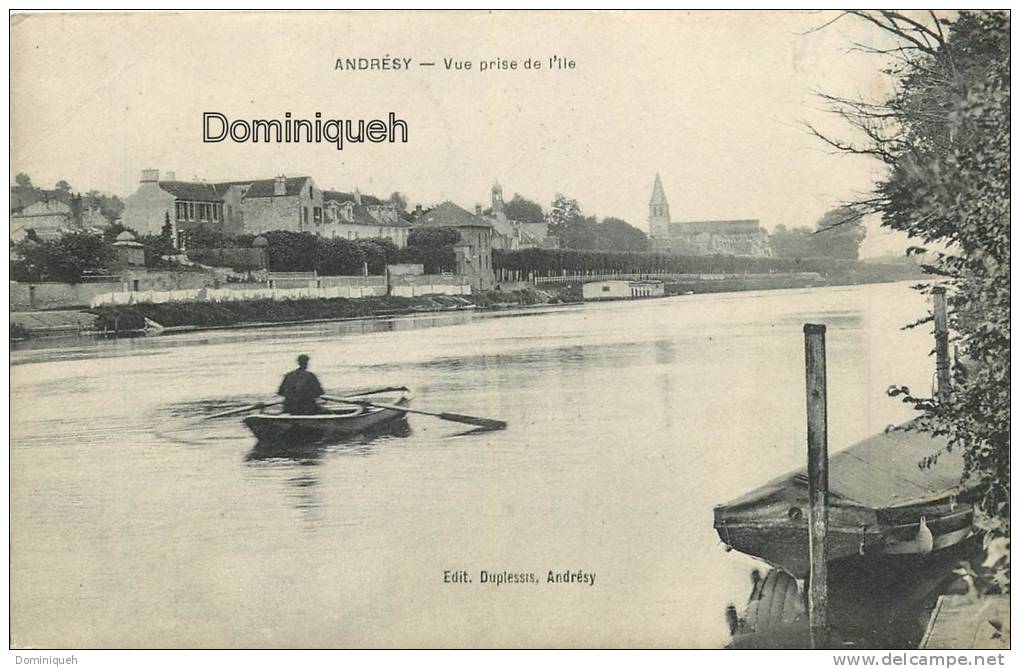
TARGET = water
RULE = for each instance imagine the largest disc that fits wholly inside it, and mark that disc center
(628, 421)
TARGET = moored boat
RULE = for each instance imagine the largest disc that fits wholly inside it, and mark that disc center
(881, 502)
(340, 420)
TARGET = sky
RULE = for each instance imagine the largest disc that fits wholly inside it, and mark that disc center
(713, 101)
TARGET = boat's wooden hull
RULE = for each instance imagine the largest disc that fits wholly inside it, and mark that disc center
(338, 424)
(880, 503)
(785, 544)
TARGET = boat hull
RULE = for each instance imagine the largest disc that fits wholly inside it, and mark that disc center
(336, 425)
(880, 503)
(784, 545)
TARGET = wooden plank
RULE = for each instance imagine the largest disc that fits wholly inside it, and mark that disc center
(818, 483)
(941, 341)
(967, 622)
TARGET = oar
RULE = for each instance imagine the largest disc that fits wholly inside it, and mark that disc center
(263, 405)
(260, 405)
(489, 423)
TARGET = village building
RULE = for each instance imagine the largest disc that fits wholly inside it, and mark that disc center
(744, 237)
(474, 251)
(357, 216)
(511, 234)
(47, 218)
(185, 205)
(89, 218)
(283, 203)
(128, 251)
(234, 207)
(50, 217)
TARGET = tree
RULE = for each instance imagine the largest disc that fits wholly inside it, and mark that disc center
(65, 259)
(63, 186)
(564, 210)
(378, 253)
(339, 257)
(110, 206)
(944, 138)
(208, 237)
(431, 247)
(167, 231)
(523, 210)
(399, 200)
(839, 233)
(156, 247)
(793, 243)
(566, 222)
(433, 237)
(614, 234)
(23, 180)
(292, 251)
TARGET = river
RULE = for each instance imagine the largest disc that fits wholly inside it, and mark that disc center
(134, 524)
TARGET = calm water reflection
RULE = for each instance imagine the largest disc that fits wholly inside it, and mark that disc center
(136, 524)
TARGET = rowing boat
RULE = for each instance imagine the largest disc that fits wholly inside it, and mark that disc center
(336, 423)
(881, 503)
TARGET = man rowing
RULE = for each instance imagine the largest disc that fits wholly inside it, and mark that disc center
(301, 390)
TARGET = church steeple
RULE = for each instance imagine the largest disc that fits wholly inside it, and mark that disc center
(658, 211)
(497, 197)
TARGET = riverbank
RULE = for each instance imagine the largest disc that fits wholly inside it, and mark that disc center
(190, 316)
(182, 316)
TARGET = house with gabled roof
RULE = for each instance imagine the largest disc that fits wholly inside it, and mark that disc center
(282, 203)
(357, 216)
(185, 205)
(46, 218)
(474, 251)
(253, 206)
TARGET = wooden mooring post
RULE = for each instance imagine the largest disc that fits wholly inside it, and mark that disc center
(818, 483)
(941, 315)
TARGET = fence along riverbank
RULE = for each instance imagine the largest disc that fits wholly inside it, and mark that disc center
(317, 288)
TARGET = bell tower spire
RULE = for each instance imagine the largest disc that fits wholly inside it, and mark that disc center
(658, 211)
(497, 198)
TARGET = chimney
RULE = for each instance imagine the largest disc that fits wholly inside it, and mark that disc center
(170, 176)
(478, 209)
(280, 185)
(150, 176)
(417, 210)
(357, 196)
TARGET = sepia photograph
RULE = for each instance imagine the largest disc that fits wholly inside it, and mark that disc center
(510, 330)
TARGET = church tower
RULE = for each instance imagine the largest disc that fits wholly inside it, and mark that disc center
(658, 212)
(497, 198)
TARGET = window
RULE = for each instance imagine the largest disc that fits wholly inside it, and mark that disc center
(605, 289)
(310, 193)
(317, 213)
(216, 211)
(191, 211)
(304, 211)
